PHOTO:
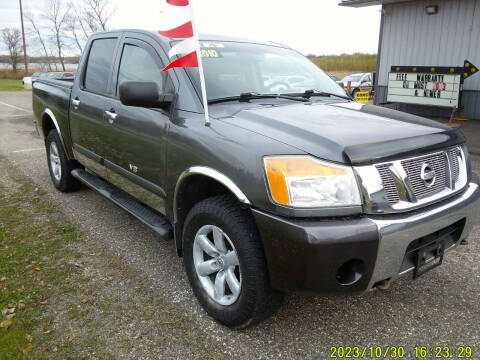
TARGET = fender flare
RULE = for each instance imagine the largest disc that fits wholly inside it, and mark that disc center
(49, 113)
(212, 173)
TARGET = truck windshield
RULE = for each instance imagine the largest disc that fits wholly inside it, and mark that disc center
(233, 68)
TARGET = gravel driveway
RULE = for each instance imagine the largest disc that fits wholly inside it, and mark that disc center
(441, 308)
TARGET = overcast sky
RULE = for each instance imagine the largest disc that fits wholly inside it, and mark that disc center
(309, 26)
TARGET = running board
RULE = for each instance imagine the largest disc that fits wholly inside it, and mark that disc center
(149, 217)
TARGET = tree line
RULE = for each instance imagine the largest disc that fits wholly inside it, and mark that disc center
(346, 62)
(56, 28)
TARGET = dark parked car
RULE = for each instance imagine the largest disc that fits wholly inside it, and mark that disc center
(38, 75)
(337, 80)
(291, 190)
(59, 75)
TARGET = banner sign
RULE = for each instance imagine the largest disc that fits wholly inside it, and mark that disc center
(424, 89)
(433, 86)
(363, 97)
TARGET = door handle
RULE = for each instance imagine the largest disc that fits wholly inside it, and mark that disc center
(75, 103)
(111, 115)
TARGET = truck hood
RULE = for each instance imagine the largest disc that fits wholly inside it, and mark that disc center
(346, 132)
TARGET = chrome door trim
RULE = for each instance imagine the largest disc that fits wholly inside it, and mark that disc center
(140, 188)
(212, 173)
(90, 163)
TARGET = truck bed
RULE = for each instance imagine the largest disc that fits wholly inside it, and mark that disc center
(49, 95)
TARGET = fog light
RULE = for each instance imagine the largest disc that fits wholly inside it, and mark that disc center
(351, 272)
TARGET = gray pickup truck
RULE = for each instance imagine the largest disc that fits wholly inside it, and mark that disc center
(292, 187)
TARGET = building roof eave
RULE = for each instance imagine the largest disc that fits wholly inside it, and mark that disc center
(363, 3)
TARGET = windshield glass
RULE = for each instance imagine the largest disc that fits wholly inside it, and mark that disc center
(352, 78)
(233, 68)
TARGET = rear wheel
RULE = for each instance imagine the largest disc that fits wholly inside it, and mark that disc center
(226, 265)
(59, 165)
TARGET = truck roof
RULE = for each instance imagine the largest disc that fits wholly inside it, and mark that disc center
(210, 37)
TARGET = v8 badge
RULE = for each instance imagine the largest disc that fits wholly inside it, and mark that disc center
(133, 168)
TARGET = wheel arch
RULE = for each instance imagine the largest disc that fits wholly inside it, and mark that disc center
(49, 122)
(194, 185)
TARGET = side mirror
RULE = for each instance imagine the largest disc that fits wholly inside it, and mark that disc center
(143, 94)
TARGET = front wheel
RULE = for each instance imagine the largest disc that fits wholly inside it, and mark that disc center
(225, 263)
(354, 94)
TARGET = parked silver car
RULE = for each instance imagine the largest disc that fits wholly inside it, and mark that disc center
(358, 82)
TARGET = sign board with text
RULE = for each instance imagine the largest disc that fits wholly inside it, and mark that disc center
(363, 97)
(424, 89)
(428, 85)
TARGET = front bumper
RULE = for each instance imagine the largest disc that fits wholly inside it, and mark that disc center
(353, 254)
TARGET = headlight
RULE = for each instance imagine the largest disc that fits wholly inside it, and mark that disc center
(305, 182)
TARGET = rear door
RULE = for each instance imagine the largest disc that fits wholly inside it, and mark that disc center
(89, 129)
(135, 151)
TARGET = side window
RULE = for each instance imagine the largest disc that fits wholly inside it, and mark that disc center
(99, 63)
(138, 64)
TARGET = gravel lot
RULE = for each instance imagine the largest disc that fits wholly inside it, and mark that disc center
(439, 309)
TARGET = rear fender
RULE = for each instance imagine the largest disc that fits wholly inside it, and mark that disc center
(44, 128)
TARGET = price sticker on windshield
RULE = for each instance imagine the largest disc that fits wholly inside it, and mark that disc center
(209, 53)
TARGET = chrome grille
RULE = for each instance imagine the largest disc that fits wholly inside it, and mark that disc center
(445, 164)
(397, 186)
(388, 183)
(413, 168)
(453, 153)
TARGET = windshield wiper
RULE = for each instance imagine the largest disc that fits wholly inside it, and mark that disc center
(246, 97)
(309, 93)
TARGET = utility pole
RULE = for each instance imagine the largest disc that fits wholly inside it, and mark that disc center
(24, 43)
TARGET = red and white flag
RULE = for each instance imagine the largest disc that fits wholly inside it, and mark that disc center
(178, 23)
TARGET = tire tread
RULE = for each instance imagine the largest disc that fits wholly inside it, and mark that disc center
(267, 300)
(67, 183)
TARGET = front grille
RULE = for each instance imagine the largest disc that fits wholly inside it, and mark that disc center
(453, 153)
(445, 164)
(388, 183)
(413, 168)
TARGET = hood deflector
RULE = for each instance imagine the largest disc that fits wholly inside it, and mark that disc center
(366, 154)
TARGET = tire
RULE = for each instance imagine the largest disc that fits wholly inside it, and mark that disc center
(354, 94)
(59, 166)
(255, 300)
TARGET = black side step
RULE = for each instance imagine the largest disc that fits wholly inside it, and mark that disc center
(149, 217)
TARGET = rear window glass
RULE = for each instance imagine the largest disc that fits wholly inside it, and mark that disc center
(99, 64)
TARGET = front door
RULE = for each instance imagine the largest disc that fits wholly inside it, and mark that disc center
(87, 123)
(135, 153)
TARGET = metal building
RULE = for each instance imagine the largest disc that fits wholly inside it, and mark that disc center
(440, 33)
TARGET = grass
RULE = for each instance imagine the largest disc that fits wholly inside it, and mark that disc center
(346, 63)
(63, 297)
(10, 85)
(9, 74)
(32, 267)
